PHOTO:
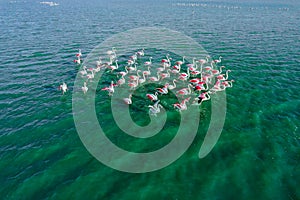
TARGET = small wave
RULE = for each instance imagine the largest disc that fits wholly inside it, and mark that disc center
(50, 3)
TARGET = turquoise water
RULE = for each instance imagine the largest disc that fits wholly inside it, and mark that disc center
(257, 155)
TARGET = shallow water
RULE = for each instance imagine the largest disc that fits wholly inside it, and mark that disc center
(257, 155)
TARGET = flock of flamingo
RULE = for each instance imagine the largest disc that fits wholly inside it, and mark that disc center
(200, 79)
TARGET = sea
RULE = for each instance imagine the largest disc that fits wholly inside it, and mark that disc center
(256, 156)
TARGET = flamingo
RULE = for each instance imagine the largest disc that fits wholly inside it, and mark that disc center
(227, 84)
(141, 53)
(130, 68)
(90, 76)
(99, 62)
(221, 76)
(142, 80)
(218, 61)
(134, 57)
(176, 69)
(63, 87)
(83, 72)
(114, 67)
(185, 91)
(122, 73)
(217, 87)
(133, 84)
(155, 109)
(184, 76)
(181, 106)
(130, 62)
(155, 79)
(147, 73)
(165, 75)
(84, 88)
(195, 81)
(203, 61)
(171, 87)
(200, 86)
(78, 61)
(121, 81)
(128, 100)
(112, 51)
(216, 72)
(202, 97)
(110, 89)
(181, 62)
(135, 77)
(152, 97)
(79, 53)
(148, 63)
(163, 90)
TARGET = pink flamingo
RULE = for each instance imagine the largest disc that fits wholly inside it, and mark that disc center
(110, 89)
(148, 63)
(121, 81)
(124, 73)
(141, 53)
(181, 106)
(133, 84)
(147, 72)
(83, 72)
(184, 76)
(176, 69)
(78, 61)
(165, 75)
(180, 62)
(185, 91)
(155, 79)
(171, 87)
(200, 86)
(219, 60)
(142, 80)
(114, 67)
(163, 90)
(90, 76)
(216, 72)
(202, 97)
(128, 100)
(135, 77)
(221, 76)
(79, 53)
(130, 68)
(152, 97)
